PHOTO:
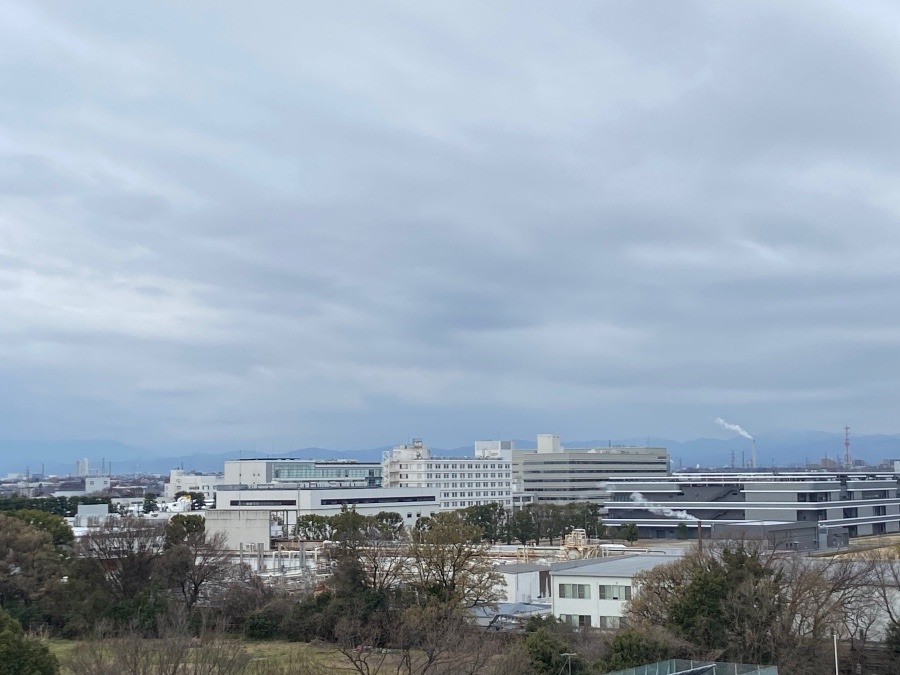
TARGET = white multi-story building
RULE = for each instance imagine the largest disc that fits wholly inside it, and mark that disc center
(459, 481)
(553, 473)
(595, 593)
(181, 481)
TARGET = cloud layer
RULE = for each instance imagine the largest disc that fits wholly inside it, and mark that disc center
(346, 224)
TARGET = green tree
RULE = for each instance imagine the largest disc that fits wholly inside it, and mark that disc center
(31, 568)
(546, 649)
(180, 527)
(313, 527)
(628, 532)
(54, 525)
(521, 526)
(632, 647)
(451, 562)
(21, 655)
(681, 531)
(388, 525)
(490, 518)
(150, 504)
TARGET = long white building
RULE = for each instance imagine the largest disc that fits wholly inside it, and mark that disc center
(459, 481)
(854, 503)
(273, 471)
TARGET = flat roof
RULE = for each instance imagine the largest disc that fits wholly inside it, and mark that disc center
(617, 566)
(520, 568)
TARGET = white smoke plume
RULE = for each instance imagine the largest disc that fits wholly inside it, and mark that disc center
(659, 509)
(737, 428)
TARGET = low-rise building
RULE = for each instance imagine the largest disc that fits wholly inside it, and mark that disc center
(595, 593)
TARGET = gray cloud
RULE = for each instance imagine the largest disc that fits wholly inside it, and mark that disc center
(349, 224)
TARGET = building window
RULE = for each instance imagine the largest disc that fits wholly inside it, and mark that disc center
(614, 592)
(580, 591)
(879, 510)
(610, 622)
(580, 620)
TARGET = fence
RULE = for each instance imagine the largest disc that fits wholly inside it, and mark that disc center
(685, 667)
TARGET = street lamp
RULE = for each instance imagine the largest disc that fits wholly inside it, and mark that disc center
(569, 656)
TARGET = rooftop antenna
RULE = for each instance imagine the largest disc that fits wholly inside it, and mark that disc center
(848, 461)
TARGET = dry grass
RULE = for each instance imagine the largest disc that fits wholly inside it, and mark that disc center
(280, 653)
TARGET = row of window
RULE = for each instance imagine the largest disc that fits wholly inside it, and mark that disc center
(604, 592)
(470, 502)
(476, 493)
(584, 621)
(433, 467)
(462, 484)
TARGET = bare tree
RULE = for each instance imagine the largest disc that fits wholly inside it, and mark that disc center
(197, 563)
(128, 549)
(451, 562)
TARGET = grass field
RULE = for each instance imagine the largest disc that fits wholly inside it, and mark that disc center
(277, 652)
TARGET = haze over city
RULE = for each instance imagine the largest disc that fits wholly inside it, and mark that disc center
(331, 225)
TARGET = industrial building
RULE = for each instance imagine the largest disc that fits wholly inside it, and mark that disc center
(460, 481)
(303, 472)
(283, 505)
(552, 473)
(853, 504)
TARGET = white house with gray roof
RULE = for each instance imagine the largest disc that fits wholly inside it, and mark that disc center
(594, 593)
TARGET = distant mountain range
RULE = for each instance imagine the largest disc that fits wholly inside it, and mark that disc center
(788, 448)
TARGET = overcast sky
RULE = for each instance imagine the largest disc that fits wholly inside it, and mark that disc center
(347, 224)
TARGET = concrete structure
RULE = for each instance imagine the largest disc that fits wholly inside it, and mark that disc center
(286, 504)
(90, 485)
(594, 593)
(524, 582)
(556, 474)
(82, 468)
(460, 481)
(242, 528)
(302, 472)
(182, 481)
(854, 503)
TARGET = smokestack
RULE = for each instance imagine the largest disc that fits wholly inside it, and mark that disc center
(753, 456)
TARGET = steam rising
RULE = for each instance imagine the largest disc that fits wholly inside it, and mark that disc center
(659, 509)
(737, 428)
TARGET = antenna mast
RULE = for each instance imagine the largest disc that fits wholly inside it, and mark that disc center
(848, 461)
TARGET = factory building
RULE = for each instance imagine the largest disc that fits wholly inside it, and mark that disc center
(853, 504)
(552, 473)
